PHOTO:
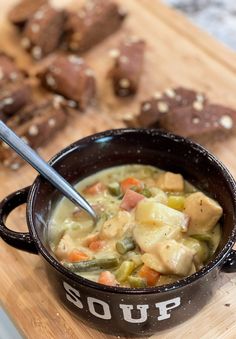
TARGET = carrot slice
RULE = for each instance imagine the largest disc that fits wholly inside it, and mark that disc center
(96, 245)
(130, 183)
(77, 255)
(150, 275)
(107, 278)
(94, 189)
(90, 238)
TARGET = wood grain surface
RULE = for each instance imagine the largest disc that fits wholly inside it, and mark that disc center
(178, 54)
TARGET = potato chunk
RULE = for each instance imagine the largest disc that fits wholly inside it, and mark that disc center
(150, 212)
(158, 195)
(170, 182)
(147, 236)
(200, 249)
(203, 211)
(170, 257)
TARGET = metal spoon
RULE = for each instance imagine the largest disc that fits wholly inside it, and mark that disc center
(28, 154)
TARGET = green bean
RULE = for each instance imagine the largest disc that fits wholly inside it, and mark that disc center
(94, 264)
(124, 270)
(125, 245)
(137, 282)
(146, 192)
(114, 189)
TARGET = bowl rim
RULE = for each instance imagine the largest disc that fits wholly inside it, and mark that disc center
(177, 285)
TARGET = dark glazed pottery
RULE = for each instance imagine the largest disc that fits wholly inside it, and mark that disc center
(114, 309)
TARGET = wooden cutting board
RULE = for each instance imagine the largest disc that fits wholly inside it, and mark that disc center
(178, 54)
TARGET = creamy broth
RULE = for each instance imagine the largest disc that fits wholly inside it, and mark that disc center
(154, 228)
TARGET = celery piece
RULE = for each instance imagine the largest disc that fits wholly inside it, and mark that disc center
(176, 202)
(137, 282)
(124, 270)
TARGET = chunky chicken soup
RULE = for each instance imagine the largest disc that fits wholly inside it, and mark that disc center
(154, 228)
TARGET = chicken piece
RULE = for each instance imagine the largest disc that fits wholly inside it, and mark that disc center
(170, 257)
(64, 247)
(153, 213)
(116, 226)
(170, 182)
(203, 211)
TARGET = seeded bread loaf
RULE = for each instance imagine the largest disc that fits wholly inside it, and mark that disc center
(23, 10)
(13, 97)
(153, 109)
(71, 77)
(210, 124)
(9, 72)
(36, 124)
(43, 31)
(92, 24)
(187, 113)
(127, 68)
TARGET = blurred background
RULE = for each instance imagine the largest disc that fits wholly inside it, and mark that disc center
(218, 17)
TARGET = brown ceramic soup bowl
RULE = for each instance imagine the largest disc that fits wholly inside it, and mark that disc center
(120, 310)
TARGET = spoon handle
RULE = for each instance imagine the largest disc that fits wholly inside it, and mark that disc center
(48, 172)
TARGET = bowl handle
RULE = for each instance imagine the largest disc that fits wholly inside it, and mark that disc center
(22, 241)
(229, 265)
